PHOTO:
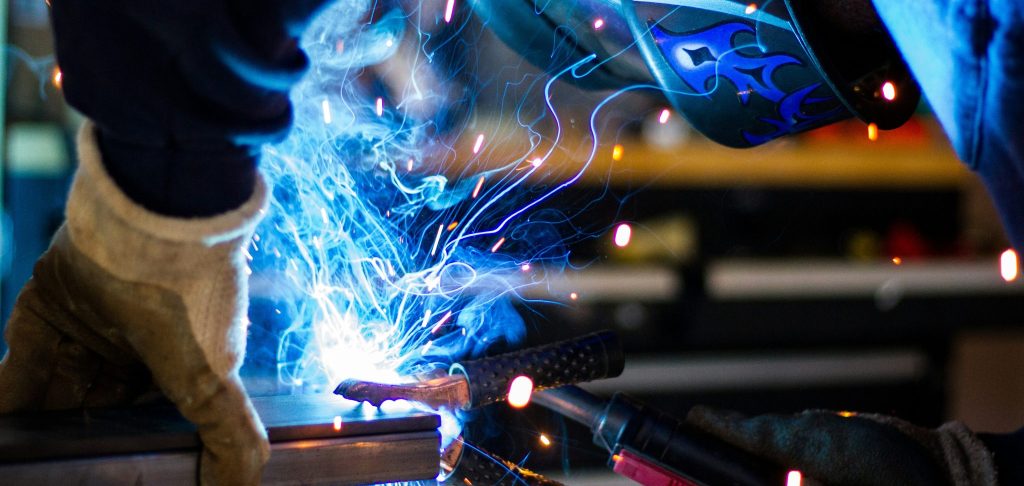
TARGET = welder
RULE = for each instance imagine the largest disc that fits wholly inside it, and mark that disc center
(143, 290)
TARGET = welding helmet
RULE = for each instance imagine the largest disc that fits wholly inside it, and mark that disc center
(741, 73)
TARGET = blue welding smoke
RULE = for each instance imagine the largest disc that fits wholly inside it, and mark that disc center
(392, 261)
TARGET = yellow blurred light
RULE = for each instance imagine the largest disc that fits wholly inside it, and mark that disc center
(616, 458)
(897, 261)
(1008, 265)
(872, 132)
(794, 478)
(617, 152)
(520, 391)
(545, 440)
(846, 414)
(58, 77)
(574, 296)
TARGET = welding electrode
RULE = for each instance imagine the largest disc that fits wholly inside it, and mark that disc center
(651, 447)
(472, 384)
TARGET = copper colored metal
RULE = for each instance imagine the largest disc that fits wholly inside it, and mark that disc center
(450, 392)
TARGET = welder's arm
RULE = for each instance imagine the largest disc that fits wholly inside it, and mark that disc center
(847, 449)
(144, 289)
(968, 56)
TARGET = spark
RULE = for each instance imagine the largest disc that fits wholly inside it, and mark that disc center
(426, 347)
(545, 440)
(326, 105)
(449, 9)
(408, 165)
(574, 296)
(337, 423)
(846, 414)
(897, 261)
(872, 132)
(380, 106)
(437, 239)
(520, 391)
(598, 23)
(623, 233)
(444, 319)
(616, 457)
(426, 317)
(1008, 266)
(794, 478)
(525, 267)
(494, 249)
(479, 143)
(479, 185)
(751, 8)
(58, 76)
(663, 118)
(617, 152)
(453, 225)
(536, 162)
(889, 91)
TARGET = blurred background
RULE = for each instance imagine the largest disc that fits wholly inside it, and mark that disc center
(846, 269)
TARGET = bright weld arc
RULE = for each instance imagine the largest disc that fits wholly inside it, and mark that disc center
(361, 280)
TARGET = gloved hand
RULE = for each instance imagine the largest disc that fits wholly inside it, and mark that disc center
(125, 299)
(864, 449)
(183, 91)
(130, 297)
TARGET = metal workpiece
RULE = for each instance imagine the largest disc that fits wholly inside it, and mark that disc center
(315, 439)
(480, 382)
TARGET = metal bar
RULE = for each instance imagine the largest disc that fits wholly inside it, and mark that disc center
(315, 439)
(348, 460)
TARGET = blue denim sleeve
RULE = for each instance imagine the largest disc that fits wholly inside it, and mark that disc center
(968, 56)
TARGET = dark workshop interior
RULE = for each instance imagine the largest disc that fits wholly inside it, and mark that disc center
(844, 268)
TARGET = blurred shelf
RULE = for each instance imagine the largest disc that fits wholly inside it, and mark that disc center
(838, 158)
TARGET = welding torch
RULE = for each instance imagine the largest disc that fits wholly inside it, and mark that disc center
(646, 445)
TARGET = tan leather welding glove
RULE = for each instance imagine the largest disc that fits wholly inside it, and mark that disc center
(857, 449)
(125, 299)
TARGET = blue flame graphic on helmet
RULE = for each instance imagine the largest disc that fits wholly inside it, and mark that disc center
(704, 57)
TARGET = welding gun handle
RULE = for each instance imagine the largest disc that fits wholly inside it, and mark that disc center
(591, 357)
(478, 467)
(700, 456)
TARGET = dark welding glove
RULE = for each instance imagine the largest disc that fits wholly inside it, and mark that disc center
(183, 92)
(856, 449)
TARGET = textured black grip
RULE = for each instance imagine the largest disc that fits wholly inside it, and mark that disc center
(587, 358)
(481, 468)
